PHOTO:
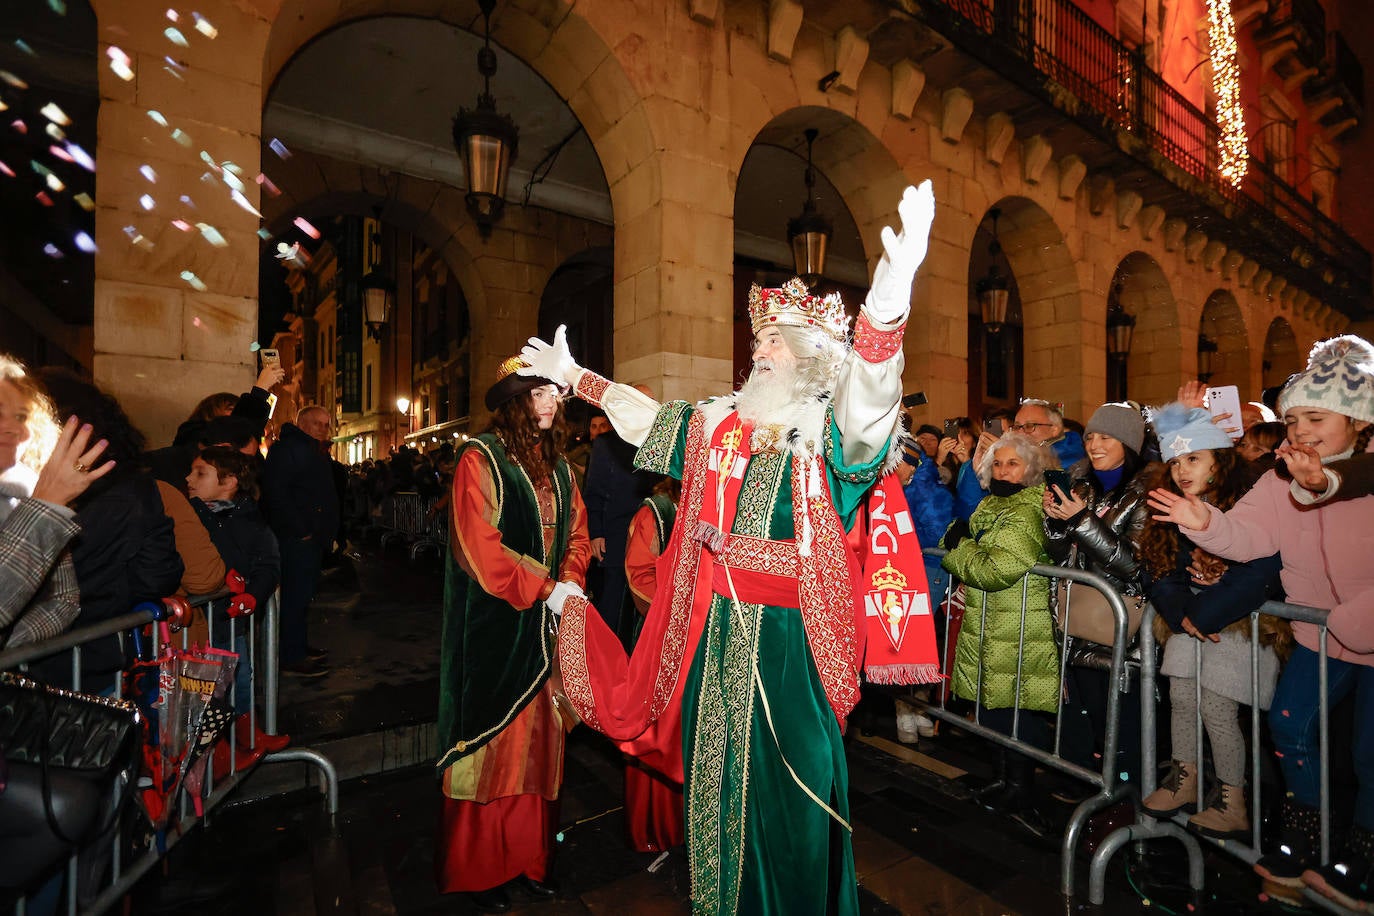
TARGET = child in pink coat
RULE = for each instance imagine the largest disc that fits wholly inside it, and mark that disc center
(1326, 552)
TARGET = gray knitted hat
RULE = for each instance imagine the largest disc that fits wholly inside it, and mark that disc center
(1120, 421)
(1339, 377)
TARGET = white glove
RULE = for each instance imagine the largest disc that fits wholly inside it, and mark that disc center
(551, 361)
(560, 594)
(890, 296)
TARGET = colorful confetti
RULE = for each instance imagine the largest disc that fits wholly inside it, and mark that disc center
(120, 63)
(196, 283)
(303, 225)
(85, 242)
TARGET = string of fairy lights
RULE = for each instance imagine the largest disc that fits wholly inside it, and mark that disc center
(1232, 145)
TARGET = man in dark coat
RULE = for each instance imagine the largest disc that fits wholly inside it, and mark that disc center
(613, 493)
(302, 508)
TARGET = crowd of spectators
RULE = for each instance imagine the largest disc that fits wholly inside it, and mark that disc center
(1160, 501)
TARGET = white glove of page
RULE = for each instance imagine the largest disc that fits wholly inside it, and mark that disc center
(552, 361)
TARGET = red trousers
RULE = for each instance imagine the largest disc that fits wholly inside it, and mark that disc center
(484, 846)
(653, 810)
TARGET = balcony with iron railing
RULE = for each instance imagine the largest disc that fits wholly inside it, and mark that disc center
(1055, 51)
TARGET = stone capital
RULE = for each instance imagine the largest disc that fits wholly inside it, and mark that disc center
(956, 109)
(999, 130)
(1072, 171)
(784, 22)
(1128, 204)
(908, 80)
(851, 53)
(1035, 155)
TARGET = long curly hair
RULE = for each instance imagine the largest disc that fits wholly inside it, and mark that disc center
(1159, 544)
(534, 449)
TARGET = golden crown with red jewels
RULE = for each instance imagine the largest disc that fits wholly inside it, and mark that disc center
(792, 305)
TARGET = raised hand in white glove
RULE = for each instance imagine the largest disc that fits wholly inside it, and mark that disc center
(890, 295)
(560, 594)
(552, 361)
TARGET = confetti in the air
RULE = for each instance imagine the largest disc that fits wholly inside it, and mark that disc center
(146, 202)
(303, 225)
(205, 27)
(195, 321)
(212, 235)
(182, 225)
(13, 80)
(58, 7)
(80, 156)
(19, 125)
(52, 250)
(195, 282)
(55, 114)
(147, 172)
(52, 130)
(279, 148)
(84, 201)
(85, 242)
(24, 46)
(173, 15)
(175, 37)
(120, 63)
(268, 186)
(157, 117)
(181, 137)
(242, 201)
(6, 170)
(43, 198)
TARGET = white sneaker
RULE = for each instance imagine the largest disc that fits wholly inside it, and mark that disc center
(908, 723)
(925, 725)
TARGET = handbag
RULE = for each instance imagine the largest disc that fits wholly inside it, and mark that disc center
(1088, 616)
(77, 742)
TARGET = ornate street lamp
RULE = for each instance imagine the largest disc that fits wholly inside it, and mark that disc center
(1120, 328)
(1206, 346)
(486, 139)
(809, 232)
(378, 290)
(993, 289)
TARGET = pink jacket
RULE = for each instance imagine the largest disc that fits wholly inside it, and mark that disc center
(1327, 553)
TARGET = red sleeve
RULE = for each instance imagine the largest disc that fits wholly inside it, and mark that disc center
(641, 557)
(513, 577)
(579, 553)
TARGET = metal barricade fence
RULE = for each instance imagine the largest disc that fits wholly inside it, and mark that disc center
(123, 877)
(1148, 827)
(1107, 781)
(408, 517)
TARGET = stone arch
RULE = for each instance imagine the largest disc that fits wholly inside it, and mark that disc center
(1281, 355)
(1224, 323)
(866, 176)
(576, 52)
(578, 294)
(1141, 287)
(1055, 326)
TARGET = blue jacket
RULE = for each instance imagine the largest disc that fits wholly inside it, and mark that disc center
(968, 492)
(930, 502)
(1069, 448)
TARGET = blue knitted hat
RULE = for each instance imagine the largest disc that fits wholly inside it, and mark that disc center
(1182, 430)
(1339, 377)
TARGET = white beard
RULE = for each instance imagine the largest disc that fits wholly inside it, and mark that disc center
(769, 396)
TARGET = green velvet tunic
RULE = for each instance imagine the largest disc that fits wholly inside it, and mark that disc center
(757, 842)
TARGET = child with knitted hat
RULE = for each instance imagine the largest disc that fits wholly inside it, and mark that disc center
(1214, 608)
(1325, 550)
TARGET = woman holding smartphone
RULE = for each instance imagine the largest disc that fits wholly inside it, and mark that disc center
(1095, 525)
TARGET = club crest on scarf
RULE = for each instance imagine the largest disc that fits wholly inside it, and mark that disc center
(896, 600)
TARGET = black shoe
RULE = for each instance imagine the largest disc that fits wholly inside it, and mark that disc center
(494, 900)
(315, 653)
(307, 667)
(544, 889)
(1349, 880)
(1299, 837)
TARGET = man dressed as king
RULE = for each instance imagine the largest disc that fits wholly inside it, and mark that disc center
(749, 659)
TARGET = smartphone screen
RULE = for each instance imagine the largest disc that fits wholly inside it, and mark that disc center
(951, 429)
(996, 427)
(1225, 399)
(1057, 477)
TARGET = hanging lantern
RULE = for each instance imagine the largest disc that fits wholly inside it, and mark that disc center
(993, 289)
(486, 139)
(1120, 329)
(1206, 348)
(809, 232)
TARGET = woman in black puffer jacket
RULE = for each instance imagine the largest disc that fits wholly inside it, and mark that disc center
(1096, 527)
(125, 552)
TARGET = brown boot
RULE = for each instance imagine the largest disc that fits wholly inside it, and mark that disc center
(1226, 818)
(1177, 790)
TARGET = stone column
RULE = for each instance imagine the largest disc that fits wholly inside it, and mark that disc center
(176, 303)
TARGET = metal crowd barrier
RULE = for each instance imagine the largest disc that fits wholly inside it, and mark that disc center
(1148, 827)
(407, 517)
(122, 876)
(1107, 781)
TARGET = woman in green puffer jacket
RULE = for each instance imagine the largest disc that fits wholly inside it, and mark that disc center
(991, 554)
